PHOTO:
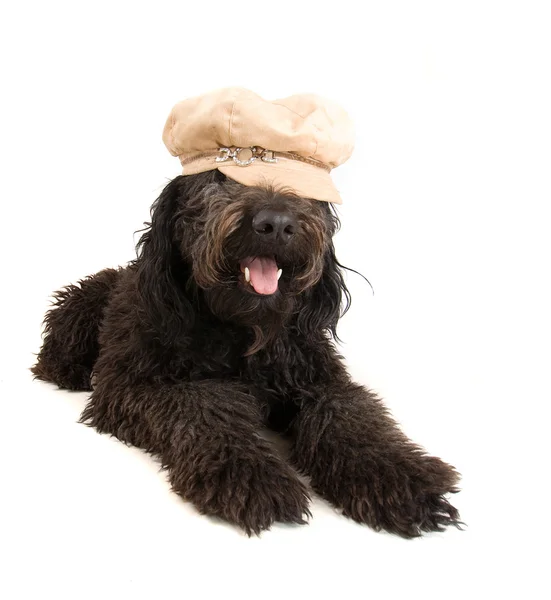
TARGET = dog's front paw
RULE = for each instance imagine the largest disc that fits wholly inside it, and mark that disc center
(253, 494)
(402, 493)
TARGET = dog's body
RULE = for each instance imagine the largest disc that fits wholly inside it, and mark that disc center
(190, 360)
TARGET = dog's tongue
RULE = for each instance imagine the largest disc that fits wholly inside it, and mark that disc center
(263, 275)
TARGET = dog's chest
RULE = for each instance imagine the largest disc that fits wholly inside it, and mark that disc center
(220, 350)
(282, 367)
(214, 351)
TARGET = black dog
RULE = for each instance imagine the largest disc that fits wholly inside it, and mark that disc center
(196, 345)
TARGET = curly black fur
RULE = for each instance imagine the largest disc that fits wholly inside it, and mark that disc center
(189, 364)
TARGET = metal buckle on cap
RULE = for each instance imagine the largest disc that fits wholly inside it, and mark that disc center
(255, 152)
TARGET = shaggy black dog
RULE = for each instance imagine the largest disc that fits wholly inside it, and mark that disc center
(196, 345)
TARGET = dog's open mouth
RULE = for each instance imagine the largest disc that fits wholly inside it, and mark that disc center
(261, 273)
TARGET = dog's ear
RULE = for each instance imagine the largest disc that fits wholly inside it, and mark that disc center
(326, 301)
(160, 269)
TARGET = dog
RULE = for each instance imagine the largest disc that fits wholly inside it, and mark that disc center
(225, 324)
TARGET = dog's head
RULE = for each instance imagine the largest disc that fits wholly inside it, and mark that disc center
(255, 256)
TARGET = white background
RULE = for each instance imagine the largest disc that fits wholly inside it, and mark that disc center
(446, 211)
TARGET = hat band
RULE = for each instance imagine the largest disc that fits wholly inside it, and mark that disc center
(244, 157)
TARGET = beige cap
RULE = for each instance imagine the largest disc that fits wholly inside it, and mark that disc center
(292, 143)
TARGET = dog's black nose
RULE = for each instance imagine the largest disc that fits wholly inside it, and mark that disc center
(272, 224)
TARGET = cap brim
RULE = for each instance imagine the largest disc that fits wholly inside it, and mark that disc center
(301, 178)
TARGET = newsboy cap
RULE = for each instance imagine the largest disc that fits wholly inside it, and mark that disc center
(291, 143)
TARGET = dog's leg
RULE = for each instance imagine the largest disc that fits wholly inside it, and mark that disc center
(359, 459)
(70, 346)
(206, 434)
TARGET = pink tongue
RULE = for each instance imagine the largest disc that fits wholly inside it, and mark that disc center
(263, 275)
